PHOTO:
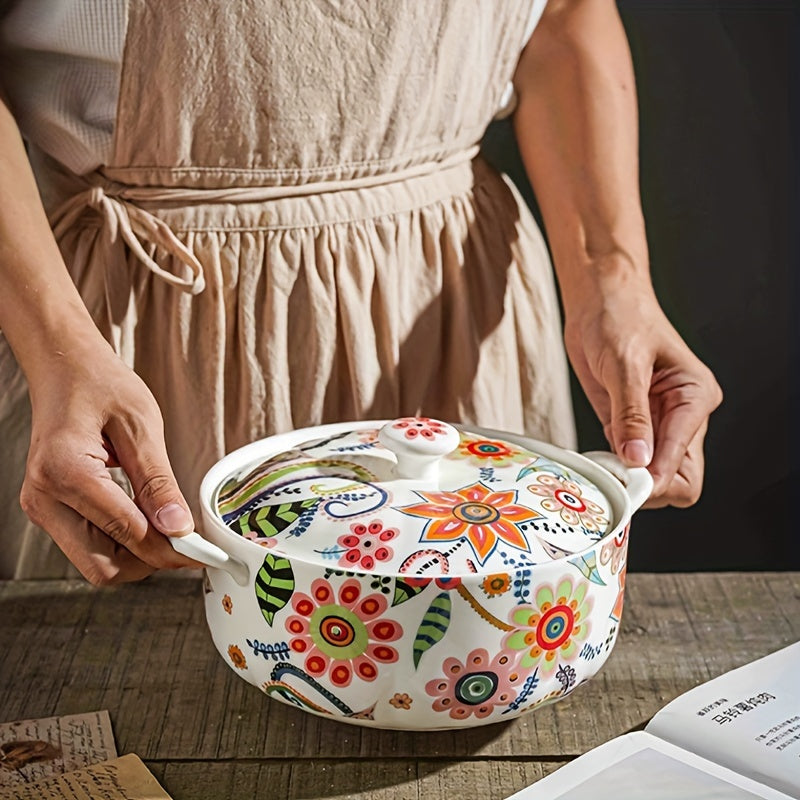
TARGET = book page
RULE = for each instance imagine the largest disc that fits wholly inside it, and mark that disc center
(33, 749)
(747, 720)
(125, 778)
(639, 766)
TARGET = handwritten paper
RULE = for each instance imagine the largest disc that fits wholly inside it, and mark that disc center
(125, 778)
(37, 749)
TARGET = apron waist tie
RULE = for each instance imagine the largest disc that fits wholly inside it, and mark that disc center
(134, 225)
(121, 206)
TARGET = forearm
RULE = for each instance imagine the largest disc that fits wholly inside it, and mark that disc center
(576, 124)
(41, 312)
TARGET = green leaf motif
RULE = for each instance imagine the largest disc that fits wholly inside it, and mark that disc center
(433, 627)
(274, 585)
(588, 568)
(405, 591)
(271, 520)
(525, 471)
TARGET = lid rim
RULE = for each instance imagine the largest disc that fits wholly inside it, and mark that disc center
(250, 455)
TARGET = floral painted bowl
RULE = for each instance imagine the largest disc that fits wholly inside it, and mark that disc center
(408, 574)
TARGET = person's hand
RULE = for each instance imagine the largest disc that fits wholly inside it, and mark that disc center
(91, 412)
(651, 393)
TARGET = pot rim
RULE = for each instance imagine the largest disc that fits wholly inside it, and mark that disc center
(611, 485)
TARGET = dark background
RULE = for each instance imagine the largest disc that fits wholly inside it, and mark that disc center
(719, 94)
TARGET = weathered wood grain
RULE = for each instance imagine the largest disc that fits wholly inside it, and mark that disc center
(144, 653)
(313, 779)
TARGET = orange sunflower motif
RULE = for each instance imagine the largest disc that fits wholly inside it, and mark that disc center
(494, 585)
(476, 513)
(237, 657)
(401, 701)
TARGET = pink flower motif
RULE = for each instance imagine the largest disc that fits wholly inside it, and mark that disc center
(264, 541)
(420, 426)
(614, 550)
(342, 635)
(475, 687)
(564, 497)
(367, 544)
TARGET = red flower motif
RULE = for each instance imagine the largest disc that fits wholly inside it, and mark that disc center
(342, 635)
(367, 544)
(490, 451)
(420, 426)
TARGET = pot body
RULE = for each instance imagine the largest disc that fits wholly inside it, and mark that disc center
(404, 652)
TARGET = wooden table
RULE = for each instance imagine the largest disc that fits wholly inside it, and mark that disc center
(144, 653)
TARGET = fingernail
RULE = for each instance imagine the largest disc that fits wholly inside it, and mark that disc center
(637, 452)
(173, 518)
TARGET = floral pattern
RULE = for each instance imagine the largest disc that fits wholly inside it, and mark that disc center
(342, 635)
(366, 544)
(476, 513)
(236, 656)
(477, 686)
(401, 701)
(552, 627)
(565, 498)
(494, 585)
(487, 452)
(487, 593)
(616, 612)
(425, 427)
(614, 550)
(264, 541)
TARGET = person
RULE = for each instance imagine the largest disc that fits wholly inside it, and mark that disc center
(249, 219)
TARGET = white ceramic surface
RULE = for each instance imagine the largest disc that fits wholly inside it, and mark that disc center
(480, 621)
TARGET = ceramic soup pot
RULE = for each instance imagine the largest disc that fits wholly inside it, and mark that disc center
(409, 574)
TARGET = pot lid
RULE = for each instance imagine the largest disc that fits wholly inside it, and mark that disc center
(416, 497)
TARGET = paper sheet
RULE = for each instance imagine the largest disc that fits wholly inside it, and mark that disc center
(639, 766)
(125, 778)
(747, 719)
(35, 749)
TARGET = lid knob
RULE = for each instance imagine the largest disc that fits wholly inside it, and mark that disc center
(418, 444)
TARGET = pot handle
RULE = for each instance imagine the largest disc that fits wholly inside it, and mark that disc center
(195, 546)
(637, 481)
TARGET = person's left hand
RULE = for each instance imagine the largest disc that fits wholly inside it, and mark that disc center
(651, 393)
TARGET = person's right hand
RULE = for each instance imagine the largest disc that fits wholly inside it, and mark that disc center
(91, 412)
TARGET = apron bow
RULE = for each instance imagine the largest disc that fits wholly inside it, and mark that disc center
(134, 225)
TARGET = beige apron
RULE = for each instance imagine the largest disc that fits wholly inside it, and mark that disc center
(294, 228)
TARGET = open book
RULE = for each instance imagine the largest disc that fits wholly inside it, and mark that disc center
(736, 737)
